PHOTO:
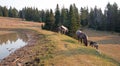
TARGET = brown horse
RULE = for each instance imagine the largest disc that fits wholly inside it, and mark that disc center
(82, 37)
(62, 29)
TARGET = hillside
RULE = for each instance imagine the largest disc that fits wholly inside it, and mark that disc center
(109, 42)
(7, 22)
(47, 48)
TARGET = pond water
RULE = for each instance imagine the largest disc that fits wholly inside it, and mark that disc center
(11, 42)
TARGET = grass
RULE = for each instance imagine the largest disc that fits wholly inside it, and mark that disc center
(53, 49)
(65, 55)
(70, 41)
(109, 43)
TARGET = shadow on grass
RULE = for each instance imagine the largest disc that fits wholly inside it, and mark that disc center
(70, 41)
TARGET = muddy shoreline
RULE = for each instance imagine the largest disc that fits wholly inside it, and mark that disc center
(23, 54)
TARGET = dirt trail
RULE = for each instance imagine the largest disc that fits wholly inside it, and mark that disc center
(109, 42)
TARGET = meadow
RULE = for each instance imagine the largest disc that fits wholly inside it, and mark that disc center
(46, 48)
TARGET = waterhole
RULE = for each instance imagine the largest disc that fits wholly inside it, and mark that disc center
(11, 42)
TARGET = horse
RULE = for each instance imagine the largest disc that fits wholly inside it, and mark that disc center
(62, 29)
(94, 44)
(82, 37)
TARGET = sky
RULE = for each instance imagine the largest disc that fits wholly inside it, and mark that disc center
(51, 4)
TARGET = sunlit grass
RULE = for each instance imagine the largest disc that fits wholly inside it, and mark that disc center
(74, 49)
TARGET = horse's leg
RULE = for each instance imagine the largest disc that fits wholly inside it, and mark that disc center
(85, 42)
(78, 39)
(96, 46)
(63, 31)
(59, 31)
(81, 40)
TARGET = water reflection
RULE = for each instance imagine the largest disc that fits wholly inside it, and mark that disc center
(11, 42)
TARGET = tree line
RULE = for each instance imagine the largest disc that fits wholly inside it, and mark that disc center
(71, 17)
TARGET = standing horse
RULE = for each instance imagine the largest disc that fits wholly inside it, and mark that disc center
(62, 29)
(82, 37)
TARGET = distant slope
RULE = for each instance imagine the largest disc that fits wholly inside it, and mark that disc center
(7, 22)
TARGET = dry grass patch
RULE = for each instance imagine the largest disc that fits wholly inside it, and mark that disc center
(80, 60)
(109, 42)
(6, 22)
(111, 50)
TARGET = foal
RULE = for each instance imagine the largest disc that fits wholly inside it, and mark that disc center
(94, 44)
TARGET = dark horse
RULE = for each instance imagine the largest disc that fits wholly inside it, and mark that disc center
(62, 29)
(82, 37)
(94, 44)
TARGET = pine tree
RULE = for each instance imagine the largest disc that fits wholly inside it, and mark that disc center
(10, 12)
(115, 16)
(47, 22)
(36, 15)
(57, 18)
(43, 16)
(73, 25)
(52, 19)
(77, 16)
(109, 16)
(15, 12)
(84, 16)
(5, 11)
(1, 13)
(20, 14)
(64, 17)
(91, 18)
(117, 28)
(95, 19)
(112, 14)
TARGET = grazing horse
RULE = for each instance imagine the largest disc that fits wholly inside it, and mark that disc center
(62, 29)
(82, 37)
(94, 44)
